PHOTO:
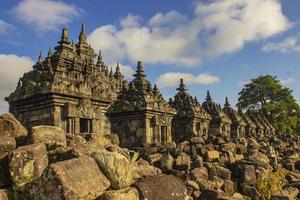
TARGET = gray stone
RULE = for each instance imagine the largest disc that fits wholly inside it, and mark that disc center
(51, 136)
(183, 162)
(166, 187)
(123, 194)
(116, 167)
(11, 127)
(75, 179)
(27, 164)
(221, 172)
(142, 169)
(166, 163)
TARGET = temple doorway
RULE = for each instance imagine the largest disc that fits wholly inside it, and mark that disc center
(85, 125)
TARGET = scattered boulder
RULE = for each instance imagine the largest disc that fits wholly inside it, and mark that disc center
(183, 162)
(166, 187)
(247, 174)
(27, 164)
(221, 172)
(210, 194)
(166, 163)
(11, 127)
(155, 158)
(51, 136)
(116, 167)
(289, 193)
(142, 169)
(75, 179)
(6, 195)
(212, 155)
(7, 144)
(123, 194)
(199, 173)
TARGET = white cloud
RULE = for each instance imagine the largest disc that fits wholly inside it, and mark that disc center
(12, 68)
(287, 81)
(216, 28)
(5, 27)
(171, 79)
(288, 45)
(45, 15)
(130, 21)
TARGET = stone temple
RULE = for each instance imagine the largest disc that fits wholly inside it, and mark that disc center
(74, 89)
(67, 89)
(141, 114)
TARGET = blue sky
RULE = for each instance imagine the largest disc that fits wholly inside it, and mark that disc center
(215, 45)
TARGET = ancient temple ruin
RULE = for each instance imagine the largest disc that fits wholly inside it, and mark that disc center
(250, 128)
(220, 125)
(238, 124)
(191, 119)
(140, 115)
(67, 89)
(76, 91)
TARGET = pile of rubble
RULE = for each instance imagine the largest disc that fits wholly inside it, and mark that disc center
(46, 163)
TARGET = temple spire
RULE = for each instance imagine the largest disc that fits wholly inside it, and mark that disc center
(118, 68)
(100, 58)
(49, 52)
(40, 59)
(111, 72)
(227, 104)
(82, 36)
(208, 97)
(64, 36)
(155, 89)
(140, 70)
(182, 87)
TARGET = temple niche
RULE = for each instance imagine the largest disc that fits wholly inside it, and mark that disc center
(250, 129)
(260, 128)
(238, 124)
(220, 125)
(67, 89)
(140, 115)
(191, 120)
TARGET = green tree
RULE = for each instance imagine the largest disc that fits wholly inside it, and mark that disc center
(266, 96)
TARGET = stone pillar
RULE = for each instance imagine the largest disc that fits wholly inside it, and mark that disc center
(77, 125)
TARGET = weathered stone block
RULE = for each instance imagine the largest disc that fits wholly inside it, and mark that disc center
(5, 195)
(142, 169)
(166, 163)
(183, 162)
(10, 126)
(27, 164)
(7, 144)
(221, 172)
(154, 158)
(199, 173)
(210, 194)
(166, 187)
(286, 194)
(123, 194)
(247, 174)
(75, 179)
(51, 136)
(212, 155)
(116, 167)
